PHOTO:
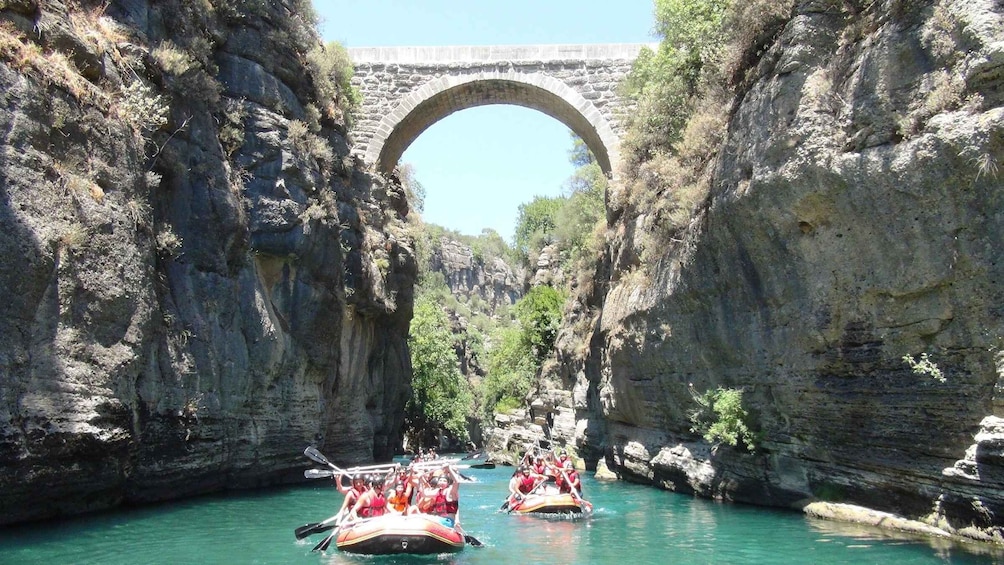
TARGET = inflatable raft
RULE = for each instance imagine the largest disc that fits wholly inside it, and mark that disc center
(418, 533)
(549, 504)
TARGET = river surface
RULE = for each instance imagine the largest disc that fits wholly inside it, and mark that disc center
(631, 525)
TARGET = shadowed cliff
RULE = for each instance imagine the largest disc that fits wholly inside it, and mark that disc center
(191, 285)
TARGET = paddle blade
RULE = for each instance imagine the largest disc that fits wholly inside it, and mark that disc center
(318, 473)
(306, 530)
(475, 542)
(316, 456)
(323, 546)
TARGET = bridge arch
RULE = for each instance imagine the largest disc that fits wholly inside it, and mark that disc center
(445, 95)
(407, 89)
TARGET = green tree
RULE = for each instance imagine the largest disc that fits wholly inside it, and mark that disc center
(511, 370)
(583, 209)
(665, 82)
(579, 155)
(441, 397)
(535, 224)
(539, 314)
(413, 189)
(721, 418)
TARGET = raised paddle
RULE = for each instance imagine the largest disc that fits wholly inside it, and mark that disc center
(318, 473)
(317, 457)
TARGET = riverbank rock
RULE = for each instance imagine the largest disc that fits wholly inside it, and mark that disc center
(854, 219)
(197, 282)
(861, 515)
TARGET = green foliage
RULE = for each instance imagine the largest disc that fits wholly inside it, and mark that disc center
(535, 224)
(144, 109)
(693, 26)
(664, 83)
(511, 370)
(583, 209)
(332, 71)
(579, 155)
(539, 314)
(721, 418)
(441, 396)
(413, 190)
(924, 367)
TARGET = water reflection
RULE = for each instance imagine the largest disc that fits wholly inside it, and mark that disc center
(949, 549)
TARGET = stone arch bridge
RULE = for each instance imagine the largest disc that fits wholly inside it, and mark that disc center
(407, 89)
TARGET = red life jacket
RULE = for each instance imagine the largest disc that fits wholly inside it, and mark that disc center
(566, 487)
(526, 484)
(443, 507)
(377, 507)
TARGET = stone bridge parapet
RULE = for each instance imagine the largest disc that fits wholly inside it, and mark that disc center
(407, 89)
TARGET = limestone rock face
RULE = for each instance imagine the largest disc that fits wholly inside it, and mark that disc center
(196, 281)
(492, 281)
(855, 217)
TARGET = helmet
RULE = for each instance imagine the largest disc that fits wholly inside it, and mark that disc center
(568, 464)
(358, 477)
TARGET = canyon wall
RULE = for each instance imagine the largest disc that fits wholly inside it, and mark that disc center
(855, 217)
(197, 280)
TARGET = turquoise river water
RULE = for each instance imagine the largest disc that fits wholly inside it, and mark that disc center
(631, 525)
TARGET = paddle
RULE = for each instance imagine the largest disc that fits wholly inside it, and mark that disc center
(317, 457)
(475, 542)
(318, 473)
(505, 505)
(317, 527)
(575, 491)
(325, 542)
(342, 523)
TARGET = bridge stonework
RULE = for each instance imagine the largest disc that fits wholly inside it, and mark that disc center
(407, 89)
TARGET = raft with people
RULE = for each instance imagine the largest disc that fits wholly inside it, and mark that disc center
(546, 485)
(391, 509)
(544, 503)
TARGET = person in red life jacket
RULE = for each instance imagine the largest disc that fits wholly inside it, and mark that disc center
(525, 481)
(521, 484)
(371, 503)
(352, 492)
(538, 466)
(445, 496)
(562, 458)
(569, 481)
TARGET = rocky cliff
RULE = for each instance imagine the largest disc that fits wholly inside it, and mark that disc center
(490, 280)
(196, 280)
(855, 217)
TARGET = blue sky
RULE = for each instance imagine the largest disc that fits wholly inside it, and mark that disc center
(479, 165)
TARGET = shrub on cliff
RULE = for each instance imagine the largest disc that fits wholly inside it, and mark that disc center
(721, 418)
(511, 369)
(332, 71)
